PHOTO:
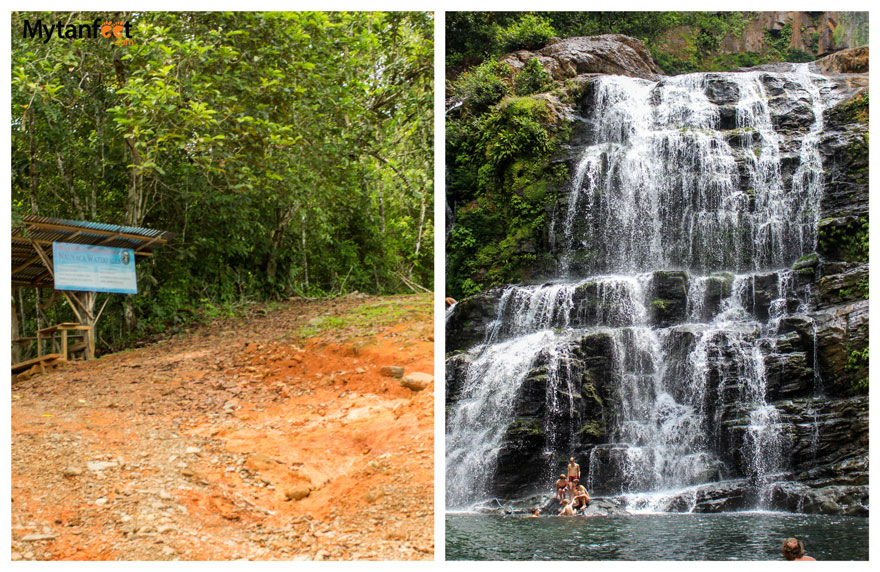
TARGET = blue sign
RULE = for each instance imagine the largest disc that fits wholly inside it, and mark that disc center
(94, 268)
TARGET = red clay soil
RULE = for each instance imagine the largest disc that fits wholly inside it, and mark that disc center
(242, 440)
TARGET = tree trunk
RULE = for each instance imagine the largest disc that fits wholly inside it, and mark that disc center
(32, 148)
(282, 219)
(419, 235)
(128, 315)
(68, 183)
(304, 251)
(37, 312)
(88, 317)
(134, 211)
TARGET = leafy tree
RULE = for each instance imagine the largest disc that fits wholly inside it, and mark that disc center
(291, 152)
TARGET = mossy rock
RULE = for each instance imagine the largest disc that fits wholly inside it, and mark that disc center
(522, 427)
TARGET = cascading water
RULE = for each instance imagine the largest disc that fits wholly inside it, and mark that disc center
(674, 241)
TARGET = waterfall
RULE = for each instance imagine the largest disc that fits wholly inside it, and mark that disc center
(674, 240)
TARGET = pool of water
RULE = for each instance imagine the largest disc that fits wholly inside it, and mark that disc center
(728, 536)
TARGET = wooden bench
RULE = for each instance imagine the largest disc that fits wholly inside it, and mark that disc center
(62, 330)
(25, 369)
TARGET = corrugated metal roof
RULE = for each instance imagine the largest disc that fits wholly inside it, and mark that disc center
(28, 268)
(147, 232)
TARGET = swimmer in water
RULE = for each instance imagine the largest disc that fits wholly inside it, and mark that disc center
(566, 509)
(793, 550)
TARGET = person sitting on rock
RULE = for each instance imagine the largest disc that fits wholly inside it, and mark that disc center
(561, 487)
(581, 498)
(566, 509)
(535, 513)
(793, 550)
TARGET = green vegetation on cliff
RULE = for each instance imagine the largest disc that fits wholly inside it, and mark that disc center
(681, 42)
(474, 36)
(501, 179)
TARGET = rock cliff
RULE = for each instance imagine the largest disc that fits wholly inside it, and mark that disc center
(812, 314)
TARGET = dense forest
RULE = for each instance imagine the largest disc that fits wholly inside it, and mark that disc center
(291, 153)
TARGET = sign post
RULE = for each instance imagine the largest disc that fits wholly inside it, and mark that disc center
(94, 268)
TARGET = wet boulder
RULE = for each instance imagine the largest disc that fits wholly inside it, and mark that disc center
(852, 60)
(668, 291)
(720, 89)
(725, 496)
(471, 320)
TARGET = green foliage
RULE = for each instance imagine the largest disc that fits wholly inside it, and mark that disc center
(532, 78)
(530, 32)
(501, 182)
(859, 291)
(779, 40)
(592, 429)
(472, 37)
(522, 427)
(798, 56)
(483, 86)
(855, 109)
(515, 129)
(857, 360)
(855, 25)
(297, 166)
(849, 241)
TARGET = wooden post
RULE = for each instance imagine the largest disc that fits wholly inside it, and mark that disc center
(87, 301)
(63, 344)
(16, 348)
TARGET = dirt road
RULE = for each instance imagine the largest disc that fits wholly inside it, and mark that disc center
(275, 436)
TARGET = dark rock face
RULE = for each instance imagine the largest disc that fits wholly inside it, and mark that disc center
(607, 54)
(839, 331)
(522, 463)
(669, 297)
(471, 321)
(810, 375)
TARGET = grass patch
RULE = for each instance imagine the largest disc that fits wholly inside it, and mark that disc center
(374, 313)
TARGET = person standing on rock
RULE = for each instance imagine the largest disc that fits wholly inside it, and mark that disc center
(561, 487)
(793, 550)
(574, 473)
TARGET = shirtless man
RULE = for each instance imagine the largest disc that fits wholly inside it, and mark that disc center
(574, 473)
(566, 509)
(793, 550)
(581, 498)
(561, 487)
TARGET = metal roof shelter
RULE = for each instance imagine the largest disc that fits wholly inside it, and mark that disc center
(32, 244)
(32, 266)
